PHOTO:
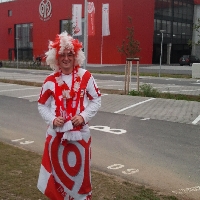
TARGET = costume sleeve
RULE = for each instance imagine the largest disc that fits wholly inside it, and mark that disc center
(94, 97)
(44, 104)
(46, 114)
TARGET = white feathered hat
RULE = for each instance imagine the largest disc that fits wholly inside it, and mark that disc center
(64, 41)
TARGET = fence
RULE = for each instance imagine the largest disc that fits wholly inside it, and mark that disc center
(25, 64)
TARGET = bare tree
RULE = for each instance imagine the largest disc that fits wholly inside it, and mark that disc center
(130, 46)
(69, 27)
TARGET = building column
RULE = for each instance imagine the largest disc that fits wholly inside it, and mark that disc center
(169, 47)
(195, 37)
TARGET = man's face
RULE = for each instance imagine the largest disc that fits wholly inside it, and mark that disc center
(66, 61)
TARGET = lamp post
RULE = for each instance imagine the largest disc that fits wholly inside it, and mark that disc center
(17, 50)
(161, 50)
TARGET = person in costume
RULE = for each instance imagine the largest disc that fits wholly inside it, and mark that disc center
(69, 99)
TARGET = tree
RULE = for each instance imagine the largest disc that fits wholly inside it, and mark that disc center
(69, 27)
(130, 46)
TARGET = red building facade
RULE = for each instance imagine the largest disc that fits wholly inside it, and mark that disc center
(43, 29)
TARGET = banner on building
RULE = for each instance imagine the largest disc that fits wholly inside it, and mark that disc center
(77, 19)
(105, 20)
(91, 18)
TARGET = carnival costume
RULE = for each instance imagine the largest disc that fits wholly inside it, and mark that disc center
(65, 168)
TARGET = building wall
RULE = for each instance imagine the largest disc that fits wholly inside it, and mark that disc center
(196, 1)
(27, 11)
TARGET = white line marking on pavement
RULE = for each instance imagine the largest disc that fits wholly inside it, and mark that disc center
(7, 85)
(192, 189)
(18, 89)
(196, 120)
(189, 90)
(144, 119)
(28, 96)
(183, 90)
(137, 104)
(171, 86)
(17, 140)
(104, 95)
(169, 79)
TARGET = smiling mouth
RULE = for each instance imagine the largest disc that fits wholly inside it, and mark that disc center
(64, 62)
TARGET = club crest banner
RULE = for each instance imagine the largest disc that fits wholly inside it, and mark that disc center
(77, 19)
(91, 18)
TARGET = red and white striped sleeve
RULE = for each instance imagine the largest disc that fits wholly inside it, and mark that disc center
(45, 102)
(94, 96)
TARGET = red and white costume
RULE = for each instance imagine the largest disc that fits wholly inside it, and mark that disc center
(65, 168)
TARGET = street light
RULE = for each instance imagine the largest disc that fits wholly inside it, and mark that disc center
(17, 50)
(161, 50)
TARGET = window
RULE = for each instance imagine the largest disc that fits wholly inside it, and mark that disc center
(9, 13)
(9, 31)
(66, 25)
(24, 41)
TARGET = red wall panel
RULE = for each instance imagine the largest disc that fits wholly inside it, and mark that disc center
(27, 11)
(196, 1)
(142, 13)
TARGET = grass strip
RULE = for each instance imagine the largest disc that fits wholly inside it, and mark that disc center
(19, 173)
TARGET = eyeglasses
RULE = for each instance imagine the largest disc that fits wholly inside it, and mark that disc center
(69, 55)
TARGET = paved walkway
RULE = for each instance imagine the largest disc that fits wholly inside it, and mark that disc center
(146, 108)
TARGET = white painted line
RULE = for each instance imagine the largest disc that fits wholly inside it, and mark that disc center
(182, 91)
(169, 79)
(171, 86)
(144, 119)
(196, 120)
(17, 140)
(169, 91)
(28, 96)
(131, 171)
(189, 90)
(137, 104)
(18, 89)
(27, 142)
(6, 84)
(104, 95)
(186, 190)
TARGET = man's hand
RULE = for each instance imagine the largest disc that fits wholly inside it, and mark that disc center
(59, 121)
(77, 120)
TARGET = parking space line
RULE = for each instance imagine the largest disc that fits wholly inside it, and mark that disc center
(196, 120)
(137, 104)
(104, 95)
(183, 90)
(28, 96)
(18, 89)
(7, 85)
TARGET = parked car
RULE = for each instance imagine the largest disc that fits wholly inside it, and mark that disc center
(188, 60)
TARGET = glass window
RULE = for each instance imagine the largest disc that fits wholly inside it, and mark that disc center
(24, 35)
(66, 25)
(9, 13)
